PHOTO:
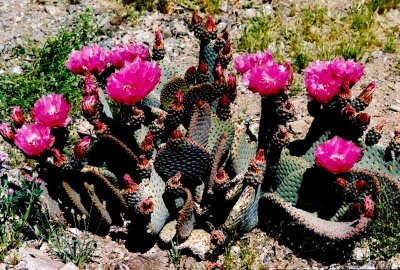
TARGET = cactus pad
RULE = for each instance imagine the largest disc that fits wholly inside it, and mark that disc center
(173, 158)
(170, 89)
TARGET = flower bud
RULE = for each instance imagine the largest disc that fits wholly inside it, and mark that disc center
(18, 117)
(82, 147)
(7, 132)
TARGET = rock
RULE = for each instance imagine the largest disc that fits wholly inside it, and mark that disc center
(267, 9)
(235, 250)
(69, 266)
(52, 10)
(17, 70)
(224, 7)
(297, 126)
(178, 28)
(361, 254)
(395, 108)
(34, 259)
(250, 13)
(394, 263)
(198, 244)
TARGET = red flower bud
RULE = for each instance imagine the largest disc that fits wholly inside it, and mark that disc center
(231, 82)
(159, 39)
(227, 48)
(225, 35)
(363, 119)
(147, 206)
(366, 94)
(203, 67)
(219, 71)
(210, 24)
(289, 68)
(224, 101)
(368, 207)
(7, 132)
(260, 156)
(17, 117)
(148, 143)
(191, 70)
(361, 185)
(82, 147)
(196, 18)
(58, 158)
(89, 105)
(200, 103)
(130, 185)
(342, 182)
(176, 134)
(349, 112)
(143, 161)
(178, 98)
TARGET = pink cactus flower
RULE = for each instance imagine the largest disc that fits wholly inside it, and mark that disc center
(127, 53)
(7, 132)
(17, 116)
(245, 62)
(337, 155)
(368, 207)
(348, 71)
(91, 59)
(321, 81)
(34, 139)
(52, 111)
(267, 79)
(133, 82)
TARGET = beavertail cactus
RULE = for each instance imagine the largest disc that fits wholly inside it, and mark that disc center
(167, 157)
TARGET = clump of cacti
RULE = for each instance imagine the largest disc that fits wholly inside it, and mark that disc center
(169, 159)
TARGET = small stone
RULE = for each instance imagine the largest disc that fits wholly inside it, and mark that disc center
(235, 250)
(224, 7)
(52, 10)
(267, 9)
(178, 28)
(69, 266)
(395, 108)
(17, 70)
(297, 126)
(361, 254)
(251, 13)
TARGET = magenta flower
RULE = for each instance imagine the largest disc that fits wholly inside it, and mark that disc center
(34, 139)
(337, 155)
(267, 79)
(92, 59)
(51, 110)
(133, 82)
(321, 81)
(245, 62)
(127, 53)
(348, 71)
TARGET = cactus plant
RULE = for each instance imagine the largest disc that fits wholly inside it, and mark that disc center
(168, 158)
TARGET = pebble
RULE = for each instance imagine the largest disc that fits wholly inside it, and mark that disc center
(250, 13)
(17, 70)
(52, 10)
(395, 108)
(297, 126)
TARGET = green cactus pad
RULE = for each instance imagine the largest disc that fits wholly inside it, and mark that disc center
(170, 90)
(204, 91)
(309, 155)
(97, 205)
(186, 219)
(200, 125)
(242, 152)
(374, 157)
(160, 213)
(198, 244)
(244, 214)
(74, 198)
(217, 153)
(208, 54)
(104, 185)
(328, 230)
(341, 212)
(219, 127)
(173, 158)
(168, 71)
